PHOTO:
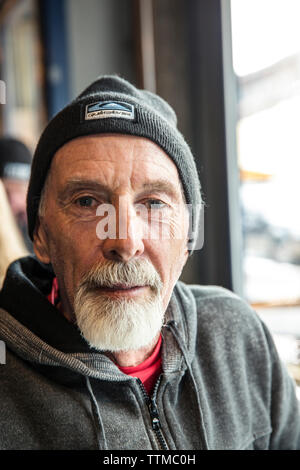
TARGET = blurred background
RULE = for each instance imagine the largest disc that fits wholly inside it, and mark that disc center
(231, 70)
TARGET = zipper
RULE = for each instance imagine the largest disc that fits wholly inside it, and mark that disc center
(152, 407)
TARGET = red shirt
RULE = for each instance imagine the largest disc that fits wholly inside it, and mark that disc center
(148, 371)
(53, 297)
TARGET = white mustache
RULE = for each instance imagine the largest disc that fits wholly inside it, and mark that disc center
(135, 273)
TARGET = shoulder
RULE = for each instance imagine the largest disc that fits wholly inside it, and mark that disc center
(214, 298)
(220, 310)
(231, 333)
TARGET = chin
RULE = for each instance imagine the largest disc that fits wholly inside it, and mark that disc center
(118, 324)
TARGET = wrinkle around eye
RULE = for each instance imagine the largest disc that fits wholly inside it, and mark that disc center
(155, 204)
(84, 198)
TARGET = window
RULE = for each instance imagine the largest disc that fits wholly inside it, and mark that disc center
(266, 60)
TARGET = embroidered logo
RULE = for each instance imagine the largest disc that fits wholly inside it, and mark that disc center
(109, 109)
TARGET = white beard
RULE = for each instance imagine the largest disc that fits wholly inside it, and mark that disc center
(121, 324)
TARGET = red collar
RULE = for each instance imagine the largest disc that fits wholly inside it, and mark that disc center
(149, 370)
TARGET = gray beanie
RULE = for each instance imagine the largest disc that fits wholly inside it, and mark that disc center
(113, 105)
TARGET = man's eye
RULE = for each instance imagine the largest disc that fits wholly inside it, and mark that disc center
(155, 204)
(85, 201)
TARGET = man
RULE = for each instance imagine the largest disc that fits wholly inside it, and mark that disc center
(105, 348)
(15, 162)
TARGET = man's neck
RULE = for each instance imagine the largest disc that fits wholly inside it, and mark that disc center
(133, 357)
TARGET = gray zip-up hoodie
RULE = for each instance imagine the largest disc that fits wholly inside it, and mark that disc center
(222, 386)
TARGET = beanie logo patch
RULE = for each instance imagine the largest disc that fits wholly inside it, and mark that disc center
(109, 109)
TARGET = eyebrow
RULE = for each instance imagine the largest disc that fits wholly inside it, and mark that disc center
(74, 185)
(162, 186)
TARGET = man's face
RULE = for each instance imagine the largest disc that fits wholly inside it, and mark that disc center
(126, 173)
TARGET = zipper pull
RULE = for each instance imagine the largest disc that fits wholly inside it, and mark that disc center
(154, 415)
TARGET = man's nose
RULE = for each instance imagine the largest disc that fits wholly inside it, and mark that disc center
(128, 240)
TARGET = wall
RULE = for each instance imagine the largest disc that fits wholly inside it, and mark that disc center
(100, 40)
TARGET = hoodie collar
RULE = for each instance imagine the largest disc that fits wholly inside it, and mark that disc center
(24, 295)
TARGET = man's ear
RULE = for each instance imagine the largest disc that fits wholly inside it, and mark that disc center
(40, 242)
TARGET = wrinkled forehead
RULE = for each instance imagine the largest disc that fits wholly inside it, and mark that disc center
(112, 157)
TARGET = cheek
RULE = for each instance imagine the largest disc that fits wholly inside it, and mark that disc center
(72, 238)
(169, 243)
(179, 257)
(167, 225)
(72, 250)
(168, 258)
